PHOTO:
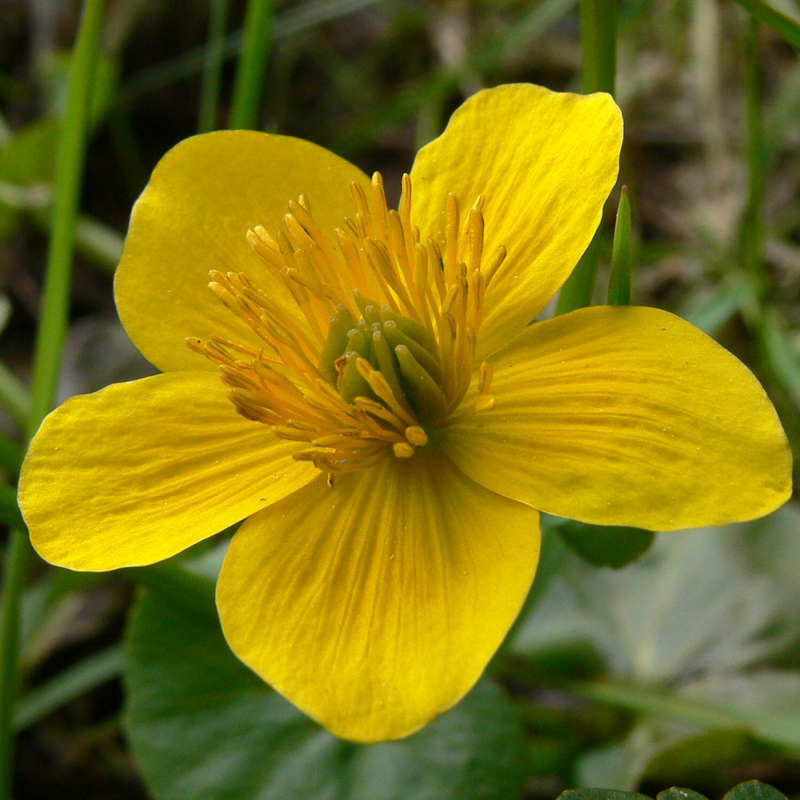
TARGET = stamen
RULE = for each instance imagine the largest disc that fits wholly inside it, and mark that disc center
(494, 263)
(416, 436)
(378, 347)
(379, 210)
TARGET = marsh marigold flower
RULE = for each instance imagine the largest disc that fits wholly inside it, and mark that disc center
(364, 388)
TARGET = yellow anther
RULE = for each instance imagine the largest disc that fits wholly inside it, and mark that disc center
(403, 450)
(379, 210)
(483, 402)
(359, 198)
(493, 264)
(416, 436)
(485, 378)
(475, 238)
(451, 236)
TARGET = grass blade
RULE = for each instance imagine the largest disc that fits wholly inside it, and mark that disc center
(68, 685)
(212, 68)
(619, 285)
(784, 25)
(49, 346)
(598, 74)
(249, 82)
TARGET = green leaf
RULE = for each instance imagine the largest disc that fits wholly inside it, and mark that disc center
(551, 560)
(691, 605)
(754, 790)
(606, 546)
(680, 794)
(699, 726)
(29, 156)
(691, 758)
(619, 285)
(203, 727)
(600, 794)
(767, 702)
(772, 547)
(27, 165)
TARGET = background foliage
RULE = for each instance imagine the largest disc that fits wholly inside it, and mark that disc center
(682, 668)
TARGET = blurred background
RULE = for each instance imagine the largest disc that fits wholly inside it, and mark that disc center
(680, 668)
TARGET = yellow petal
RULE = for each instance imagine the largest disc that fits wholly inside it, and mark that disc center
(140, 471)
(375, 605)
(194, 216)
(545, 162)
(627, 416)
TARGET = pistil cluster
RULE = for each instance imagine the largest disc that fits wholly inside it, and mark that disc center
(379, 351)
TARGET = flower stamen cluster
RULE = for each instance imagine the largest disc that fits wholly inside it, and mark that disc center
(382, 348)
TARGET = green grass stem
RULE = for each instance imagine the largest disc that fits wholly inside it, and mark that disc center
(49, 346)
(69, 685)
(69, 175)
(250, 72)
(14, 569)
(619, 284)
(598, 74)
(598, 46)
(786, 26)
(577, 291)
(212, 68)
(768, 725)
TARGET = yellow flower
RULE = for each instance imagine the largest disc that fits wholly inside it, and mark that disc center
(399, 421)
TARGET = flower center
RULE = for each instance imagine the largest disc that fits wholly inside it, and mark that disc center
(379, 348)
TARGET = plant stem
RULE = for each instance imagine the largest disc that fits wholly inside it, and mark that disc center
(619, 284)
(784, 25)
(249, 82)
(598, 46)
(49, 346)
(212, 68)
(598, 74)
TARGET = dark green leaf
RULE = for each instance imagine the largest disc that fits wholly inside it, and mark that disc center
(204, 727)
(679, 794)
(689, 606)
(606, 546)
(754, 790)
(600, 794)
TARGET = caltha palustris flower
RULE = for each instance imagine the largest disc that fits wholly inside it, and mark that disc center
(364, 388)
